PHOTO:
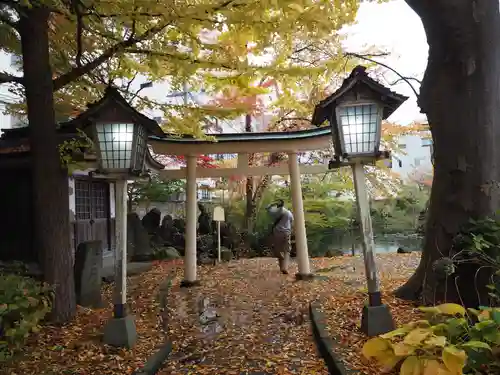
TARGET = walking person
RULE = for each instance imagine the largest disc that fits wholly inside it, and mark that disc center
(281, 233)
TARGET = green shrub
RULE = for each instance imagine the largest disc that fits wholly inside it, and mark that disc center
(330, 221)
(451, 341)
(24, 302)
(479, 243)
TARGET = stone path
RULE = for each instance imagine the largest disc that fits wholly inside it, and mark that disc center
(246, 318)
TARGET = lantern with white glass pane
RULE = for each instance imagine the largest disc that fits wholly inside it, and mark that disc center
(121, 146)
(358, 128)
(119, 132)
(355, 113)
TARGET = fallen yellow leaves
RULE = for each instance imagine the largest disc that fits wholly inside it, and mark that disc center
(77, 349)
(246, 317)
(263, 314)
(343, 307)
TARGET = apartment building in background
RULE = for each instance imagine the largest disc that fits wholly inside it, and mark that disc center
(413, 159)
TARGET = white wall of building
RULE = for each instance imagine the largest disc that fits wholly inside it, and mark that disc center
(415, 156)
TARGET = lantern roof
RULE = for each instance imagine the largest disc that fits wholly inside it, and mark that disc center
(358, 80)
(113, 107)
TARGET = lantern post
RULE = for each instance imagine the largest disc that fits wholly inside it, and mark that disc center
(120, 134)
(355, 113)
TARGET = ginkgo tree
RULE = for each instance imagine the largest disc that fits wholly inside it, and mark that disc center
(460, 93)
(71, 49)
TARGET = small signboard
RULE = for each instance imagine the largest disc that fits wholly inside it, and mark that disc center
(218, 213)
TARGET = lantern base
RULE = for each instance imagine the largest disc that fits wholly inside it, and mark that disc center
(120, 332)
(376, 320)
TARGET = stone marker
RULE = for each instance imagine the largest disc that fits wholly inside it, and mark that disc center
(138, 241)
(88, 274)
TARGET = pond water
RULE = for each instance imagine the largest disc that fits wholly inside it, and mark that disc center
(383, 243)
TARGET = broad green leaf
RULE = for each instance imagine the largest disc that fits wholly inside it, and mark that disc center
(440, 329)
(456, 326)
(476, 345)
(495, 315)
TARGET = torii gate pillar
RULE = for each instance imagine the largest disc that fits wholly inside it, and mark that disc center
(190, 278)
(299, 218)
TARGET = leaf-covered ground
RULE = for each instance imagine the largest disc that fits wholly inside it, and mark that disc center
(246, 318)
(263, 323)
(343, 309)
(76, 348)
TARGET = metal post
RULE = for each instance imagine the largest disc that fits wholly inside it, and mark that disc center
(376, 318)
(218, 241)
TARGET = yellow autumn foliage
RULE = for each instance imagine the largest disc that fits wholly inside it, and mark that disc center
(424, 348)
(209, 45)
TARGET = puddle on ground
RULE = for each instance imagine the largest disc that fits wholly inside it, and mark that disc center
(211, 330)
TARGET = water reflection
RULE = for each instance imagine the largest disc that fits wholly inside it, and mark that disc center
(389, 243)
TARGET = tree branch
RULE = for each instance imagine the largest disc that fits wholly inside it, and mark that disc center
(139, 51)
(401, 77)
(79, 32)
(408, 78)
(9, 78)
(136, 93)
(119, 47)
(133, 27)
(127, 87)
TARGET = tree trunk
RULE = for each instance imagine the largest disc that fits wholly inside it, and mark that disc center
(50, 182)
(250, 203)
(460, 94)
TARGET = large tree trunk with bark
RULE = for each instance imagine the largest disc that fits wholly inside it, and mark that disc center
(50, 181)
(460, 94)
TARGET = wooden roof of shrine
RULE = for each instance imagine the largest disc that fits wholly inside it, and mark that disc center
(358, 81)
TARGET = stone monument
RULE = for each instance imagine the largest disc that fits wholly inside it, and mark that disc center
(88, 274)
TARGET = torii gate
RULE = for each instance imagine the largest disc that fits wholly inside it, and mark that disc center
(243, 144)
